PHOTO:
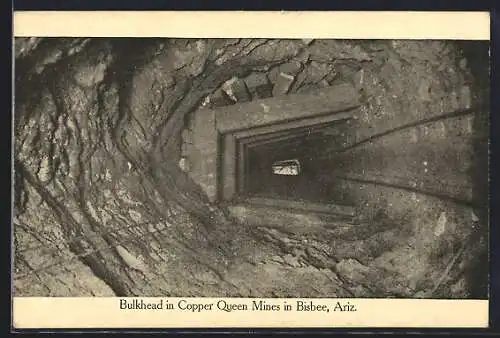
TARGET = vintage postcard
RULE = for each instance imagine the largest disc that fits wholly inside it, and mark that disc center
(250, 169)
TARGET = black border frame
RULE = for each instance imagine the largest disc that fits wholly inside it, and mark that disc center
(372, 5)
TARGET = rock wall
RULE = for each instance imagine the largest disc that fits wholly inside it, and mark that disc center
(97, 126)
(418, 155)
(430, 175)
(103, 202)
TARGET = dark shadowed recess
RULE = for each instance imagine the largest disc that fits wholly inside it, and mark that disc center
(477, 52)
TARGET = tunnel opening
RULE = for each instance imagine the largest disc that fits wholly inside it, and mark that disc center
(232, 145)
(284, 169)
(288, 165)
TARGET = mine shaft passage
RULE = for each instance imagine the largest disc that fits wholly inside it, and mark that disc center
(287, 165)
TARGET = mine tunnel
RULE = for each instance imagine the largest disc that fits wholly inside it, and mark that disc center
(325, 168)
(304, 145)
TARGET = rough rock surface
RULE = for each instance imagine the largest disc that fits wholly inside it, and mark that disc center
(103, 208)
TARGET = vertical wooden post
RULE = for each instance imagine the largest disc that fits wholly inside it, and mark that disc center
(228, 167)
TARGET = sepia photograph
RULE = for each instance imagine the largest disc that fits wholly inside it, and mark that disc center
(250, 167)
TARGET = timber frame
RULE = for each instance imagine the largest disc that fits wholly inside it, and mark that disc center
(221, 136)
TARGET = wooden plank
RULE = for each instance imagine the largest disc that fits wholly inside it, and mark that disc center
(291, 125)
(229, 167)
(294, 221)
(287, 108)
(241, 168)
(326, 208)
(288, 133)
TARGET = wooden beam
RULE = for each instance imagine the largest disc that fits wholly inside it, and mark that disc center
(302, 205)
(285, 126)
(324, 101)
(217, 169)
(229, 174)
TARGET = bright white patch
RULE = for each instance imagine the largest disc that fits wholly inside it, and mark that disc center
(45, 169)
(136, 216)
(474, 217)
(288, 167)
(227, 88)
(200, 45)
(132, 261)
(184, 164)
(206, 101)
(108, 175)
(287, 76)
(441, 224)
